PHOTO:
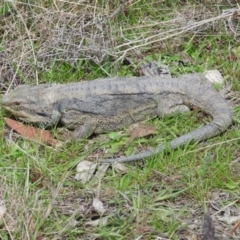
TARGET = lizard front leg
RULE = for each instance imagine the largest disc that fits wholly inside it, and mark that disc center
(78, 126)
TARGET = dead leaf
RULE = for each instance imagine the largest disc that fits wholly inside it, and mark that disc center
(98, 206)
(85, 171)
(98, 222)
(120, 168)
(227, 217)
(30, 132)
(140, 130)
(102, 170)
(2, 209)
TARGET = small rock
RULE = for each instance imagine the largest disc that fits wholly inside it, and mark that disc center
(214, 76)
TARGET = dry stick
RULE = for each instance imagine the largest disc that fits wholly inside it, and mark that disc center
(225, 207)
(152, 24)
(236, 226)
(56, 5)
(183, 30)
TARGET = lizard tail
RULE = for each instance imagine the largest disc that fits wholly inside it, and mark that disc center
(220, 123)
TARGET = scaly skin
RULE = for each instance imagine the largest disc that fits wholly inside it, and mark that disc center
(105, 105)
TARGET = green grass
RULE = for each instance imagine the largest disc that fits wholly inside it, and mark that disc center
(158, 197)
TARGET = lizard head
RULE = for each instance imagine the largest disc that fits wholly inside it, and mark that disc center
(26, 103)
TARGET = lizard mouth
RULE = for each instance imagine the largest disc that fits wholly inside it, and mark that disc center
(26, 116)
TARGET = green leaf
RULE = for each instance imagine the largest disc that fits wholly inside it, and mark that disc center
(114, 135)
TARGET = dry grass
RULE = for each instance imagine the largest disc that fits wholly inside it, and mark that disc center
(36, 34)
